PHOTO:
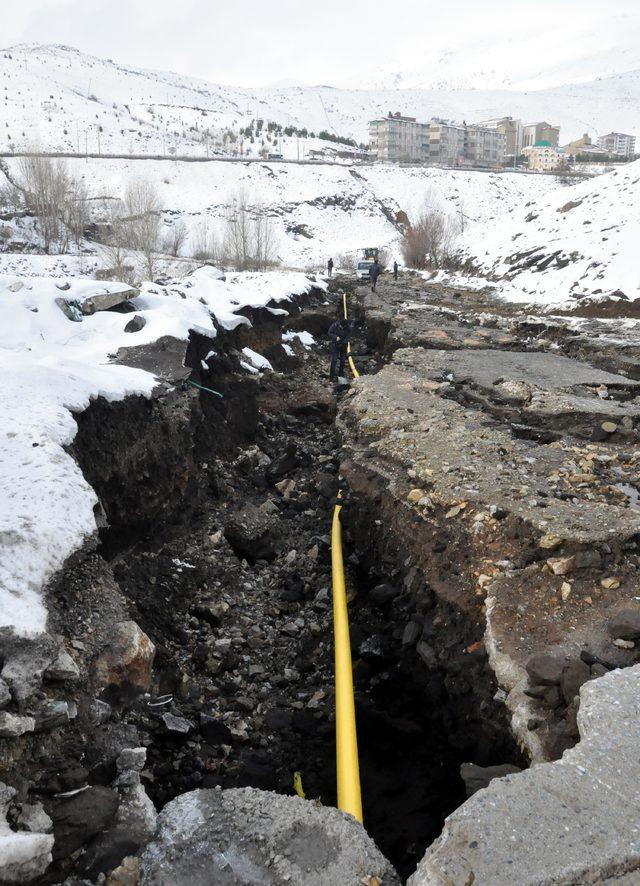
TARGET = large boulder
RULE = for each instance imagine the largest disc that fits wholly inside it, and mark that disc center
(247, 837)
(126, 662)
(80, 816)
(253, 534)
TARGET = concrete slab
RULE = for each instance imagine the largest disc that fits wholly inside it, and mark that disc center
(105, 300)
(574, 821)
(163, 357)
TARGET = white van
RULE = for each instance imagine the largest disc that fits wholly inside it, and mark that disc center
(363, 269)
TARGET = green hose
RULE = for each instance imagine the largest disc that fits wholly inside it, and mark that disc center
(202, 388)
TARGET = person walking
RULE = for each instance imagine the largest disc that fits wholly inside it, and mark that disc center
(330, 266)
(395, 270)
(339, 335)
(374, 273)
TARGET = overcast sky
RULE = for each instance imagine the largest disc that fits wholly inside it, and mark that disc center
(261, 42)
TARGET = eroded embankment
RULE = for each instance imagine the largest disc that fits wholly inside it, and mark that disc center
(503, 476)
(196, 625)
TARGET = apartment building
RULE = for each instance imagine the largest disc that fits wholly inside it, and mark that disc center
(512, 131)
(446, 143)
(484, 146)
(398, 138)
(533, 133)
(618, 144)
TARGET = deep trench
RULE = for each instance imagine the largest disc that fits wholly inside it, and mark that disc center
(419, 717)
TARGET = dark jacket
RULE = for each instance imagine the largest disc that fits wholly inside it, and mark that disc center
(374, 270)
(339, 333)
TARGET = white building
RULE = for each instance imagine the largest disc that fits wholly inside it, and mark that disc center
(618, 144)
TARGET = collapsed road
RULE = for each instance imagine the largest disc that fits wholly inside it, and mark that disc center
(490, 528)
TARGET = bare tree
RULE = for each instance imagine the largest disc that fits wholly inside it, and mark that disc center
(116, 249)
(427, 241)
(142, 221)
(347, 261)
(75, 212)
(175, 238)
(47, 185)
(59, 202)
(238, 234)
(205, 244)
(250, 240)
(264, 241)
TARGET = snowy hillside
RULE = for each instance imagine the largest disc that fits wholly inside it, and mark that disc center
(576, 242)
(63, 100)
(316, 211)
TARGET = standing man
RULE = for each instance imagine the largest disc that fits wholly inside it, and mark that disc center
(395, 270)
(374, 273)
(330, 266)
(339, 335)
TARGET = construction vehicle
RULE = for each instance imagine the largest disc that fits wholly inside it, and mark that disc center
(368, 255)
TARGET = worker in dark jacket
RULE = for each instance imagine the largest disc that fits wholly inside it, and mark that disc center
(330, 266)
(395, 270)
(374, 273)
(339, 334)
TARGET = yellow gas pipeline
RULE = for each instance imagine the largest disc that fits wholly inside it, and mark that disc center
(348, 769)
(352, 365)
(349, 799)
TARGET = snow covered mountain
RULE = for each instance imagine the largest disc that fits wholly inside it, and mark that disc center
(60, 99)
(572, 243)
(518, 61)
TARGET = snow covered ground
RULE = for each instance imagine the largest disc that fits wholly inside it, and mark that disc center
(64, 100)
(573, 243)
(317, 211)
(52, 367)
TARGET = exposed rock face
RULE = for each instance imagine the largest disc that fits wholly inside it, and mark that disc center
(250, 837)
(69, 699)
(572, 821)
(532, 530)
(127, 661)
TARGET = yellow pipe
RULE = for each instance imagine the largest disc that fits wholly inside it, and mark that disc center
(349, 798)
(352, 365)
